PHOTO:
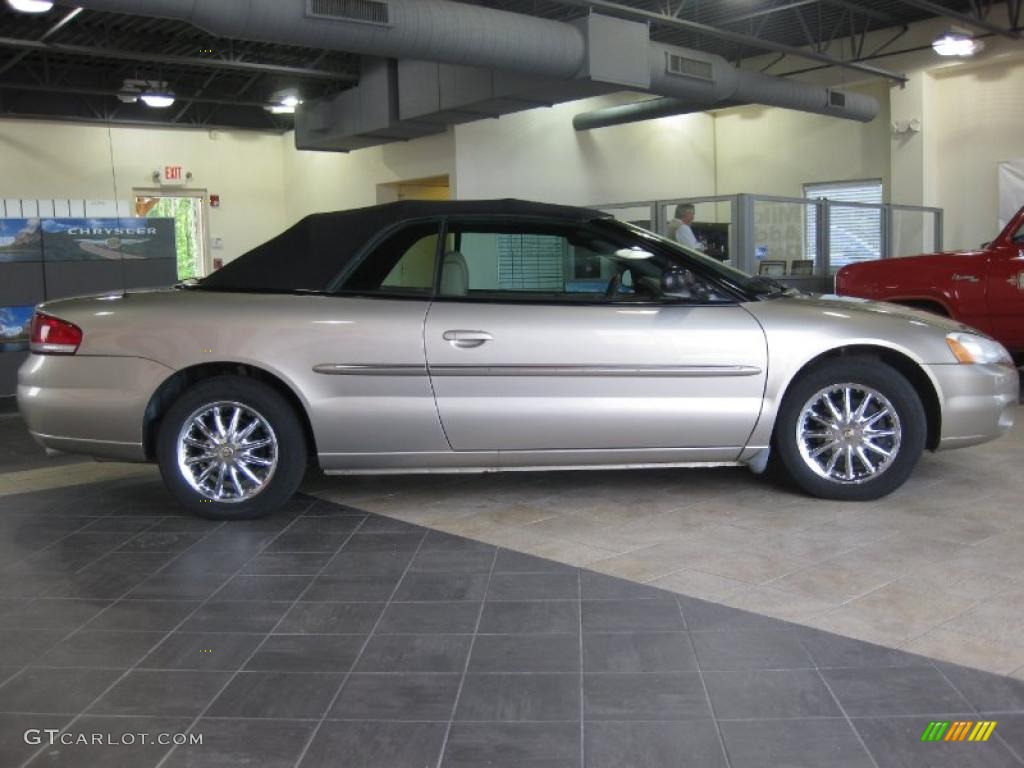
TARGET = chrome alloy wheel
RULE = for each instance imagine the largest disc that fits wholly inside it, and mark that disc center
(227, 452)
(848, 433)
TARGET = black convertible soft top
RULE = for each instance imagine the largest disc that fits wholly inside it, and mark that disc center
(308, 255)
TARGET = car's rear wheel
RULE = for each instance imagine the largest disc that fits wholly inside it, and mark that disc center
(851, 429)
(231, 448)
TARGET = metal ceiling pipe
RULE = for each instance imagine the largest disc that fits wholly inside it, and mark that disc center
(724, 85)
(429, 30)
(782, 92)
(648, 109)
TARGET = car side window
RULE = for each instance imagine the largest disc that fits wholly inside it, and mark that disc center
(531, 262)
(1018, 236)
(403, 264)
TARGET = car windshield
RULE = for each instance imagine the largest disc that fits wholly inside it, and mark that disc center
(759, 286)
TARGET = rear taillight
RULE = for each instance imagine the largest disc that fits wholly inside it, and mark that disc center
(53, 336)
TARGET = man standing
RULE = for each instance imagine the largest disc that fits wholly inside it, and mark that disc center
(679, 228)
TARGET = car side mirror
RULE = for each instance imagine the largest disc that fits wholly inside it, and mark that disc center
(986, 245)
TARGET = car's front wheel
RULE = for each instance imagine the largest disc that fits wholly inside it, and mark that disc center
(231, 448)
(851, 429)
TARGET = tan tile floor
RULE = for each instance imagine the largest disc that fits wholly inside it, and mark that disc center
(936, 568)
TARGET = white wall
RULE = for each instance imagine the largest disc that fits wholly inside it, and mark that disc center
(64, 160)
(332, 181)
(537, 155)
(977, 114)
(765, 150)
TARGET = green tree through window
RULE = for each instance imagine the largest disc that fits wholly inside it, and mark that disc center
(184, 211)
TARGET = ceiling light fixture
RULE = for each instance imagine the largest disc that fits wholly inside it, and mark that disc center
(957, 42)
(30, 6)
(157, 99)
(285, 103)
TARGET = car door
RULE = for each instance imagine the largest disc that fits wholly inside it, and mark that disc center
(1006, 288)
(370, 397)
(548, 343)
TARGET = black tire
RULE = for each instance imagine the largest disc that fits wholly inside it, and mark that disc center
(866, 372)
(273, 408)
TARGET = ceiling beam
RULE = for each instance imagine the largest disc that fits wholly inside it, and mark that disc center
(640, 14)
(65, 20)
(965, 18)
(869, 12)
(10, 112)
(36, 46)
(768, 11)
(113, 92)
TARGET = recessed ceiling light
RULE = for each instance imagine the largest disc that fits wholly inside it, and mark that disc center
(30, 6)
(957, 42)
(157, 99)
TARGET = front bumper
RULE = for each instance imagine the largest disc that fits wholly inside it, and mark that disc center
(978, 402)
(90, 405)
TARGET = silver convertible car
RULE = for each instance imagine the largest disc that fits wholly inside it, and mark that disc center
(499, 335)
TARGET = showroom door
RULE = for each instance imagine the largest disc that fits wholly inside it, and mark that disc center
(547, 340)
(188, 209)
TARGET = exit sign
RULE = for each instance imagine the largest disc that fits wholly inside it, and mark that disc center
(172, 175)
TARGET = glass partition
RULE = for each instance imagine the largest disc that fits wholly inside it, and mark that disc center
(854, 234)
(709, 222)
(786, 241)
(799, 241)
(640, 214)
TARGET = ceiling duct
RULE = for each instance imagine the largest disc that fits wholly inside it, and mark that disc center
(432, 63)
(646, 109)
(688, 87)
(427, 30)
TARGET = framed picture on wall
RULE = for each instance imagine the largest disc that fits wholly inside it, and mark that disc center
(15, 327)
(20, 240)
(772, 268)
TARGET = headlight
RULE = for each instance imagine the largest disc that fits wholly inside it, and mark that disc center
(972, 348)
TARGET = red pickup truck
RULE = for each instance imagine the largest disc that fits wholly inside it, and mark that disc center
(983, 288)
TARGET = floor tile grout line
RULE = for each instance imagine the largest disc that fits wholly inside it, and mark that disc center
(704, 685)
(469, 656)
(975, 709)
(121, 677)
(736, 671)
(135, 535)
(10, 566)
(842, 709)
(82, 627)
(708, 719)
(234, 674)
(366, 642)
(120, 599)
(583, 730)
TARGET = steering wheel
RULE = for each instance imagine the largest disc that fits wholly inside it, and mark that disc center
(613, 286)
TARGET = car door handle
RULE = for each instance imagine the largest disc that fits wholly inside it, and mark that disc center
(466, 339)
(965, 278)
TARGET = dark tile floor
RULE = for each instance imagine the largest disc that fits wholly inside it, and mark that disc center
(325, 636)
(18, 451)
